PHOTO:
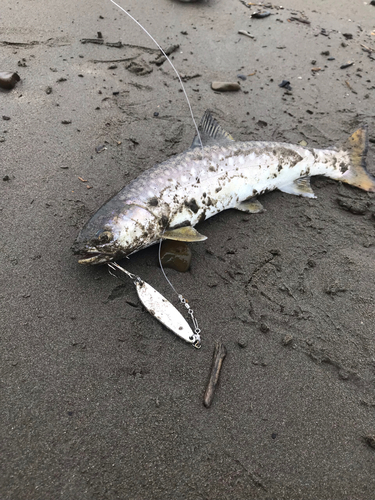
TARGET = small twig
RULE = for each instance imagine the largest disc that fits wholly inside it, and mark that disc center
(217, 361)
(367, 49)
(125, 59)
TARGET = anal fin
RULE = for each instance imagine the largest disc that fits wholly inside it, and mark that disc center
(186, 233)
(299, 187)
(252, 206)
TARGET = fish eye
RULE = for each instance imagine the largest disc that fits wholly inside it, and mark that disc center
(105, 237)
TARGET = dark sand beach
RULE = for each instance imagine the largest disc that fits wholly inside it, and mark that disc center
(98, 400)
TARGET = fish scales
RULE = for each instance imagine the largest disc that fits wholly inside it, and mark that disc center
(169, 199)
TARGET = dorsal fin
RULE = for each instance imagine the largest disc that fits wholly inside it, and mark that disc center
(211, 132)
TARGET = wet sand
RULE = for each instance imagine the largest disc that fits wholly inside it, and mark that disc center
(98, 400)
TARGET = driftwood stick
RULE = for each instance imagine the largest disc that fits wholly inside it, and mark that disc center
(217, 360)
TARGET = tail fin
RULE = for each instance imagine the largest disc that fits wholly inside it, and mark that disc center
(357, 175)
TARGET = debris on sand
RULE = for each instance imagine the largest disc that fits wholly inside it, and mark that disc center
(160, 59)
(219, 354)
(246, 33)
(370, 440)
(100, 149)
(285, 84)
(299, 19)
(347, 65)
(260, 14)
(139, 67)
(100, 41)
(225, 86)
(8, 80)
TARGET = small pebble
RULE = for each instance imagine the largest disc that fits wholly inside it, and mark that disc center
(287, 339)
(49, 90)
(66, 122)
(264, 328)
(225, 86)
(370, 440)
(99, 149)
(6, 178)
(242, 342)
(6, 117)
(260, 15)
(241, 77)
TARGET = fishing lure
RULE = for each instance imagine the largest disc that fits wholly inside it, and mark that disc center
(159, 307)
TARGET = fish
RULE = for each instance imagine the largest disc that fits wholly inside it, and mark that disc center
(216, 173)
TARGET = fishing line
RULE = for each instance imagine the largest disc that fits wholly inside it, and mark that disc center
(182, 299)
(170, 62)
(162, 268)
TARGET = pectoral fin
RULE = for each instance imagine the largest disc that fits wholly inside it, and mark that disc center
(186, 233)
(299, 187)
(252, 206)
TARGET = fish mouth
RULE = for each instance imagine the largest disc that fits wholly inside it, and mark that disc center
(94, 257)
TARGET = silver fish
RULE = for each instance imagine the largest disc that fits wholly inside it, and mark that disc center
(169, 199)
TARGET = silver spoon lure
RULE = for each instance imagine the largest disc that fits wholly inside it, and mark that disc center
(159, 307)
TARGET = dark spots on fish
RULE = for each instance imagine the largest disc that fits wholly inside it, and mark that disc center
(343, 167)
(274, 175)
(164, 221)
(204, 195)
(218, 189)
(197, 180)
(153, 202)
(170, 179)
(185, 223)
(211, 168)
(307, 172)
(279, 167)
(202, 216)
(209, 202)
(255, 192)
(192, 205)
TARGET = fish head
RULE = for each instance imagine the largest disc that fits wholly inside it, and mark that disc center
(114, 232)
